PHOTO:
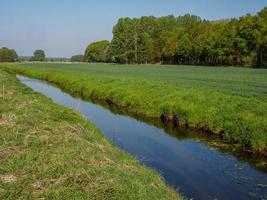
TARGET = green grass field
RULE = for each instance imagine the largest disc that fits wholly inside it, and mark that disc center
(229, 101)
(48, 151)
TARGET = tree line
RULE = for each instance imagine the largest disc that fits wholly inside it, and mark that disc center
(185, 40)
(10, 55)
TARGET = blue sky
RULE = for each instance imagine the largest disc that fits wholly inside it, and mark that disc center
(64, 27)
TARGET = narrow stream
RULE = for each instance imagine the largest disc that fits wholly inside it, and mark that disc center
(188, 163)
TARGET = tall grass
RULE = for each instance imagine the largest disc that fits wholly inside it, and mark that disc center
(226, 101)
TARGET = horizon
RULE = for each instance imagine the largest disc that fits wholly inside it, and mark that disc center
(65, 28)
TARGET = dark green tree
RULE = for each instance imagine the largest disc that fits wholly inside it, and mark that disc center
(8, 55)
(97, 52)
(190, 40)
(261, 57)
(38, 55)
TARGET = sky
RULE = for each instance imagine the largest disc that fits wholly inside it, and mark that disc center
(65, 27)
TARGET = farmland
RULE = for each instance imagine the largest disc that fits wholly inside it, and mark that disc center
(228, 101)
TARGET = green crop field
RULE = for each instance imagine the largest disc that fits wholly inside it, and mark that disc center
(228, 101)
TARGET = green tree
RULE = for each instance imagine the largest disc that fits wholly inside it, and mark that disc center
(190, 40)
(38, 55)
(184, 49)
(148, 33)
(168, 46)
(8, 55)
(123, 44)
(261, 60)
(97, 52)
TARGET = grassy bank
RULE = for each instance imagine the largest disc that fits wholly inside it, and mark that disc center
(227, 101)
(48, 151)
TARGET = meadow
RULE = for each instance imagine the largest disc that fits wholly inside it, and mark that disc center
(48, 151)
(227, 101)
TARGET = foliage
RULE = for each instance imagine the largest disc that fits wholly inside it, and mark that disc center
(191, 40)
(51, 152)
(77, 58)
(228, 101)
(8, 55)
(38, 55)
(97, 52)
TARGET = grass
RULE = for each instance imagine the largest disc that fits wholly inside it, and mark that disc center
(226, 101)
(48, 151)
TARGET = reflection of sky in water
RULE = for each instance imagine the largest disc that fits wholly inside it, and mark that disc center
(198, 171)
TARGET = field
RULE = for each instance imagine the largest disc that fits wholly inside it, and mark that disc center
(226, 101)
(51, 152)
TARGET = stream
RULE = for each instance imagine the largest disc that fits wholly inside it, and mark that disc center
(187, 160)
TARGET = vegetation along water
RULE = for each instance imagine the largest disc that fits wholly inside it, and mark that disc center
(230, 102)
(49, 151)
(198, 165)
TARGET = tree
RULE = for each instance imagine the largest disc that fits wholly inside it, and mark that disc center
(261, 60)
(97, 52)
(38, 55)
(168, 45)
(190, 40)
(77, 58)
(184, 50)
(8, 55)
(122, 44)
(147, 33)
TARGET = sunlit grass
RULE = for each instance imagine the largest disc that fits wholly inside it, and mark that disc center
(227, 101)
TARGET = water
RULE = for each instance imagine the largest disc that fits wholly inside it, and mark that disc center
(185, 160)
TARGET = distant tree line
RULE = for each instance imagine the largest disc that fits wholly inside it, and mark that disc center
(77, 58)
(186, 40)
(8, 55)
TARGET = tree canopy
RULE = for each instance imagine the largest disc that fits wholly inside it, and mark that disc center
(186, 40)
(38, 55)
(8, 55)
(97, 52)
